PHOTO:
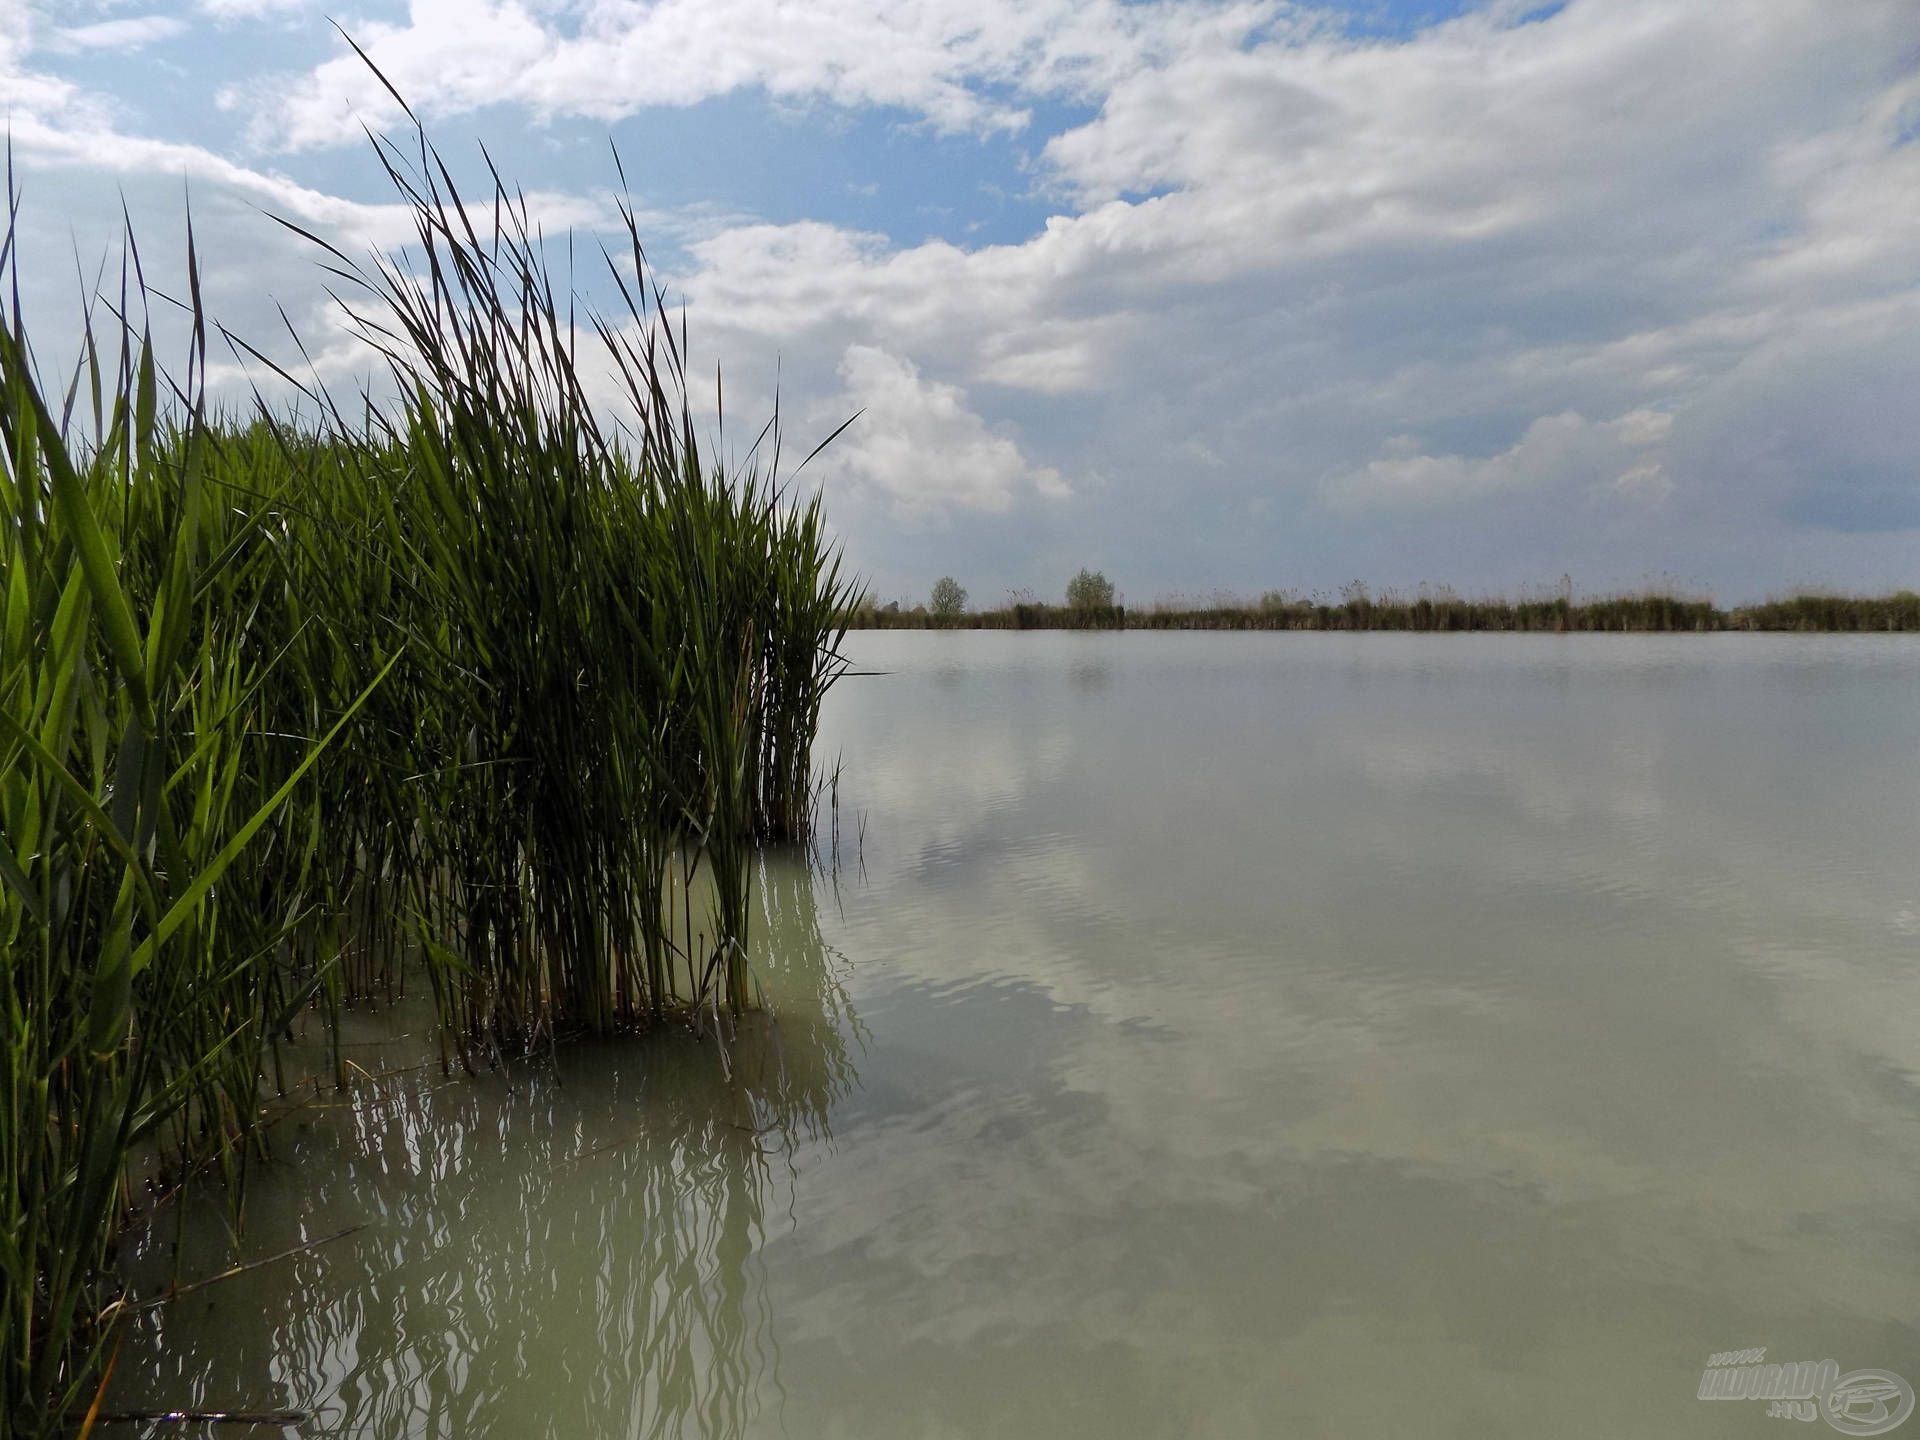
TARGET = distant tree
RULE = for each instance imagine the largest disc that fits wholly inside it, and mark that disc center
(1090, 590)
(949, 597)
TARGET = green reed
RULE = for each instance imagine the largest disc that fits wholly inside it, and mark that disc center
(466, 685)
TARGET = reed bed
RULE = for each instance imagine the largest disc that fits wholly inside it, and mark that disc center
(1439, 610)
(1829, 611)
(465, 685)
(1021, 615)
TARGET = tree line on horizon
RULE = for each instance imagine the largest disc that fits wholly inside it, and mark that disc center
(1091, 602)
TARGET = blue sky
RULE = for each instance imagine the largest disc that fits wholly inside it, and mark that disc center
(1234, 295)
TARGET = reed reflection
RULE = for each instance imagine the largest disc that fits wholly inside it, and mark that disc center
(571, 1249)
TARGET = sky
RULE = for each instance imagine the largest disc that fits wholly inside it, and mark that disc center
(1211, 297)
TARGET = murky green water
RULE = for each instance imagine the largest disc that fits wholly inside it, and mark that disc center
(1232, 1035)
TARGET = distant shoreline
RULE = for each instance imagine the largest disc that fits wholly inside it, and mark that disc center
(1897, 613)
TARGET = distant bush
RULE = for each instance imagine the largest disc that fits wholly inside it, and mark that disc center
(1089, 590)
(949, 598)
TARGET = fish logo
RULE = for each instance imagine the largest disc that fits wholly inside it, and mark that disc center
(1867, 1402)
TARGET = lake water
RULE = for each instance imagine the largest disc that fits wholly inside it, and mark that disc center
(1201, 1035)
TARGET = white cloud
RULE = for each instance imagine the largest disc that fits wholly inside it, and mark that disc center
(78, 138)
(251, 9)
(919, 445)
(55, 122)
(133, 33)
(605, 59)
(1558, 452)
(1289, 252)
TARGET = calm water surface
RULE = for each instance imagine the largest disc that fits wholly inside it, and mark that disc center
(1215, 1035)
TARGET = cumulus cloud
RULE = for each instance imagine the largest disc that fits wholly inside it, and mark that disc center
(1285, 253)
(1557, 452)
(943, 60)
(918, 444)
